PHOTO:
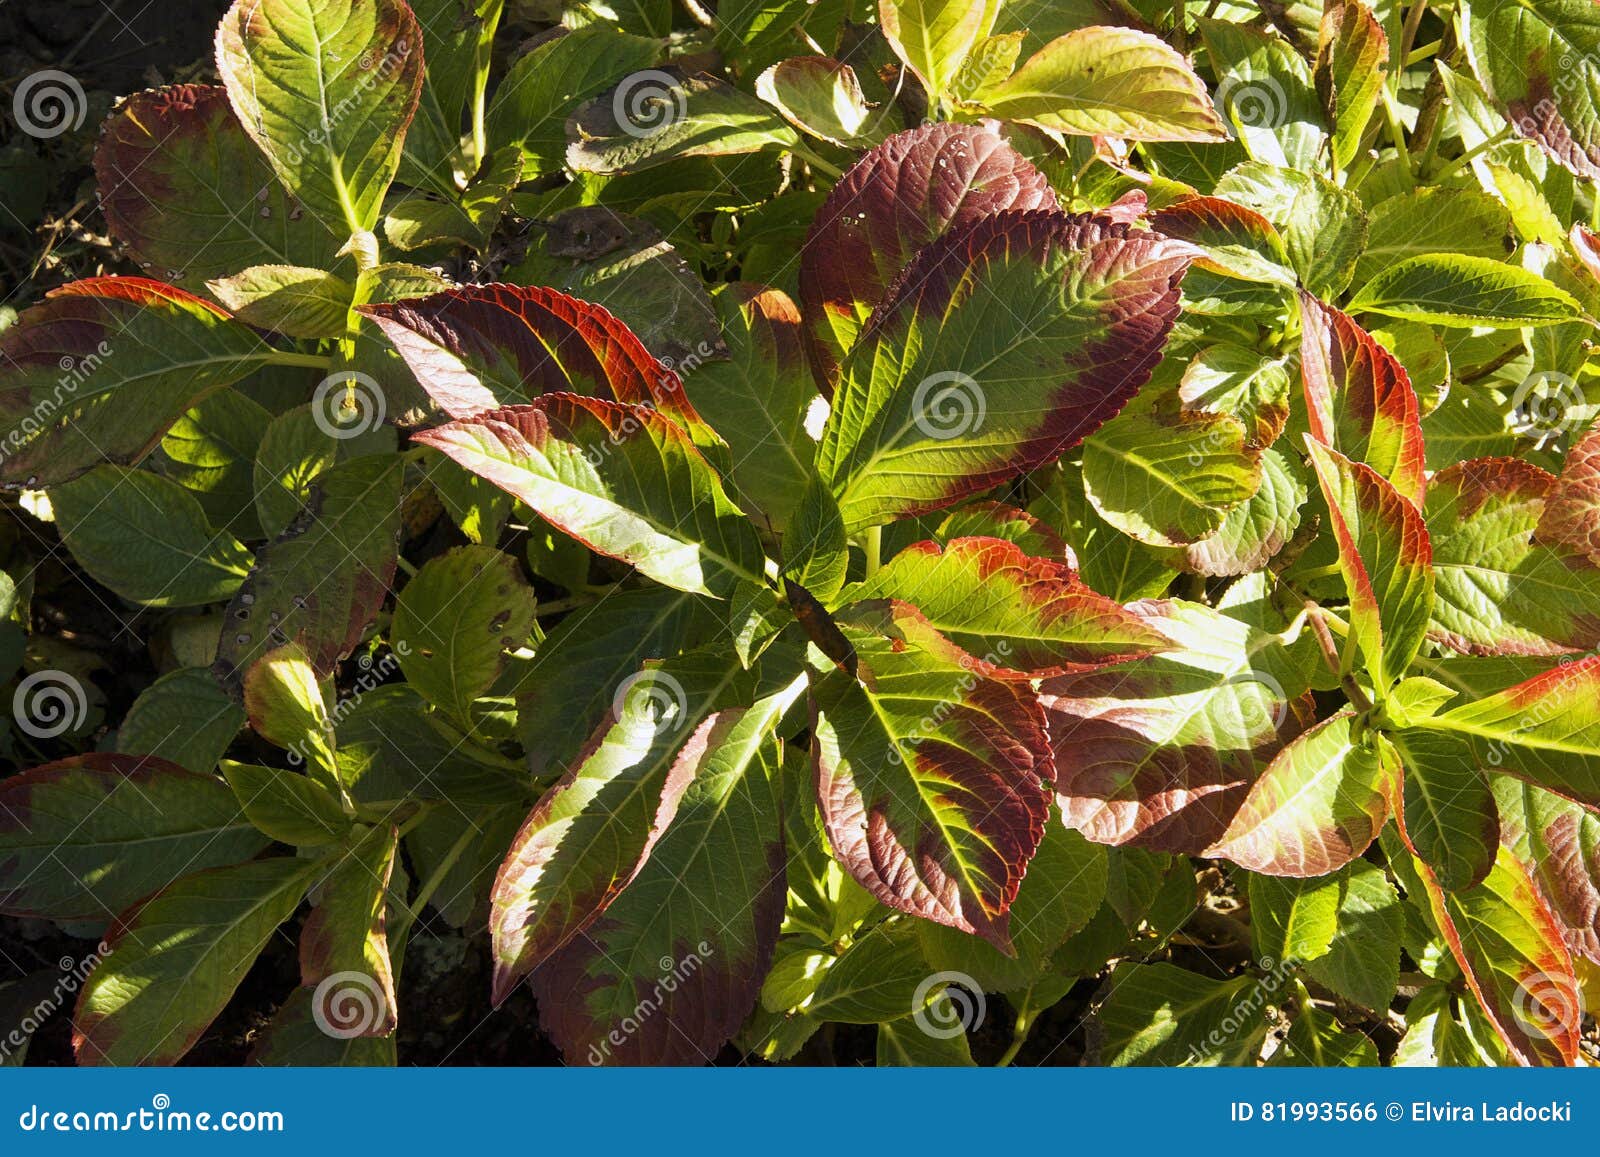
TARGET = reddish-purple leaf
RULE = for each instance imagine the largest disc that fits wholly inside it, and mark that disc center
(1571, 516)
(897, 199)
(1359, 398)
(1559, 842)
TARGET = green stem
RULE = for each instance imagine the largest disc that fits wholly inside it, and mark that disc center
(292, 358)
(1019, 1031)
(872, 542)
(409, 917)
(826, 168)
(1472, 154)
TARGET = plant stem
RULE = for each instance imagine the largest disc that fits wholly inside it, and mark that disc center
(826, 168)
(1019, 1031)
(403, 924)
(293, 358)
(873, 544)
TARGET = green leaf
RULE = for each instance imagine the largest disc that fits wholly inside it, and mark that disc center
(1317, 806)
(103, 366)
(287, 806)
(1108, 82)
(182, 146)
(624, 480)
(659, 115)
(820, 96)
(209, 452)
(1448, 1030)
(303, 442)
(293, 1037)
(816, 554)
(1160, 753)
(390, 746)
(1229, 379)
(1160, 1014)
(1362, 963)
(1294, 921)
(905, 1042)
(453, 623)
(1499, 588)
(290, 299)
(695, 929)
(287, 706)
(1316, 1039)
(344, 945)
(937, 403)
(83, 838)
(1553, 837)
(935, 812)
(147, 538)
(323, 579)
(933, 37)
(543, 87)
(184, 717)
(173, 963)
(1324, 228)
(1433, 219)
(1011, 615)
(876, 980)
(1385, 558)
(595, 828)
(1253, 532)
(1450, 818)
(327, 90)
(1265, 95)
(1352, 54)
(1168, 476)
(1454, 289)
(457, 43)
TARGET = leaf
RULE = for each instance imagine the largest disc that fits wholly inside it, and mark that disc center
(344, 946)
(390, 746)
(1235, 242)
(1167, 476)
(300, 444)
(327, 90)
(1316, 807)
(147, 538)
(1359, 398)
(286, 703)
(1293, 922)
(1385, 557)
(935, 812)
(924, 417)
(172, 964)
(456, 36)
(453, 623)
(876, 980)
(287, 806)
(209, 451)
(1507, 942)
(182, 146)
(1448, 1030)
(1316, 1039)
(1451, 821)
(694, 931)
(1454, 289)
(1499, 589)
(1362, 963)
(822, 97)
(933, 37)
(623, 480)
(1433, 219)
(1352, 53)
(185, 717)
(1160, 1014)
(294, 1038)
(1159, 754)
(1559, 842)
(595, 828)
(323, 579)
(1229, 379)
(903, 1042)
(1255, 531)
(758, 398)
(484, 346)
(894, 202)
(660, 115)
(101, 368)
(1011, 614)
(83, 838)
(1545, 730)
(290, 299)
(543, 87)
(1538, 57)
(1105, 81)
(1265, 95)
(1323, 227)
(1571, 515)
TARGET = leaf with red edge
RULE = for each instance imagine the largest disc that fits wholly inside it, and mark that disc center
(1571, 515)
(989, 519)
(346, 937)
(624, 480)
(1003, 345)
(896, 200)
(695, 930)
(1012, 614)
(1509, 945)
(1359, 398)
(84, 837)
(932, 782)
(1559, 842)
(1318, 806)
(1386, 560)
(593, 830)
(1352, 62)
(182, 146)
(1500, 588)
(99, 370)
(1160, 753)
(1234, 241)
